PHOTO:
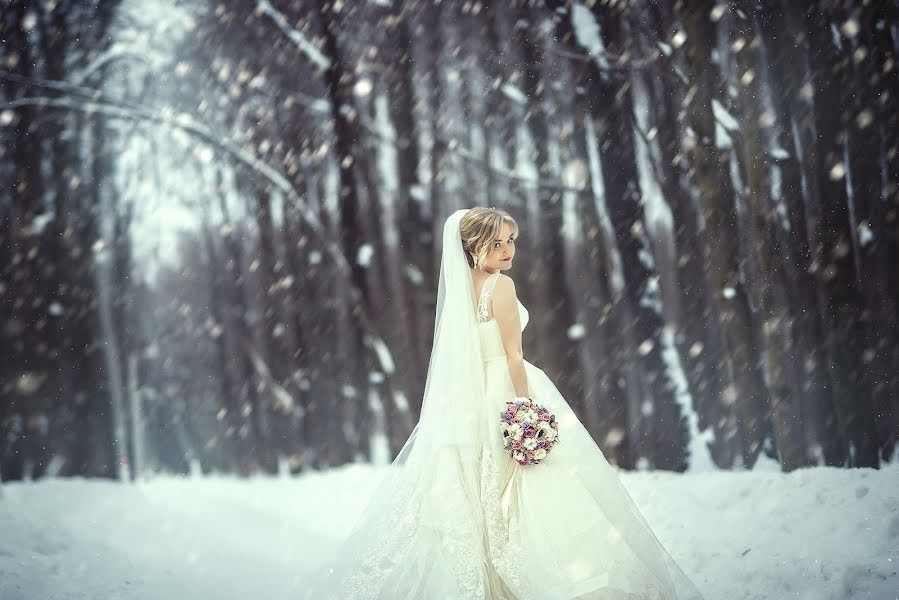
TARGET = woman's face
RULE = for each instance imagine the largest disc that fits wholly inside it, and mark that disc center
(502, 250)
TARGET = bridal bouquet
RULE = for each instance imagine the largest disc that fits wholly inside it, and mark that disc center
(529, 430)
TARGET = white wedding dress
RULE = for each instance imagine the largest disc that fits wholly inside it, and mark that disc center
(458, 519)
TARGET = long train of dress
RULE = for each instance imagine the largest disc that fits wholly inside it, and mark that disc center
(450, 528)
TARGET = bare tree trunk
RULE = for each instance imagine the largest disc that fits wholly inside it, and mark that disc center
(770, 284)
(832, 248)
(136, 426)
(643, 325)
(874, 85)
(794, 134)
(886, 228)
(109, 329)
(553, 303)
(412, 255)
(252, 410)
(698, 333)
(357, 218)
(227, 381)
(709, 174)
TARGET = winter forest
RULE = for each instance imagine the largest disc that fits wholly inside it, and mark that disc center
(219, 225)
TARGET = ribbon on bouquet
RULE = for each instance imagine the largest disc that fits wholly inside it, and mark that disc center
(506, 497)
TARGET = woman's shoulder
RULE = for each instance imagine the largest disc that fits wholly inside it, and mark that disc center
(504, 284)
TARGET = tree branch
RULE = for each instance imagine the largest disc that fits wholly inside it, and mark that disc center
(295, 36)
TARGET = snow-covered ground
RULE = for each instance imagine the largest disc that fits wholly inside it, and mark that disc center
(813, 534)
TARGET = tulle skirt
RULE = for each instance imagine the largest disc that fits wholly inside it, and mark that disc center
(579, 532)
(468, 522)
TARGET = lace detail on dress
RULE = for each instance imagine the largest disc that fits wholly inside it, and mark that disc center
(387, 535)
(484, 301)
(506, 556)
(384, 548)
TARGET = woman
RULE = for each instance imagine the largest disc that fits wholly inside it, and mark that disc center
(455, 517)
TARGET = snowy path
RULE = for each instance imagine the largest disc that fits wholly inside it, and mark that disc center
(815, 534)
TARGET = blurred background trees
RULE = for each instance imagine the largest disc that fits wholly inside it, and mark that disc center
(218, 224)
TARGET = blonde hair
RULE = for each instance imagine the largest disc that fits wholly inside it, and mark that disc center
(479, 227)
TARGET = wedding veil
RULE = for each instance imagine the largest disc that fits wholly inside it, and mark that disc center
(455, 381)
(430, 491)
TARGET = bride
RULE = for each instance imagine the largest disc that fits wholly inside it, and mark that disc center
(455, 517)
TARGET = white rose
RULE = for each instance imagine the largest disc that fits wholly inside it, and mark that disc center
(519, 456)
(530, 443)
(514, 429)
(540, 454)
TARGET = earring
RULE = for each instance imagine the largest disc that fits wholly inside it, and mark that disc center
(475, 258)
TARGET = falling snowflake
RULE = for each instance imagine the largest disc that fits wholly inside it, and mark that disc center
(837, 172)
(576, 331)
(864, 118)
(646, 347)
(865, 235)
(363, 257)
(363, 87)
(717, 12)
(850, 28)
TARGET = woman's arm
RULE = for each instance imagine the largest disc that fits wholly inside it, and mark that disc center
(505, 310)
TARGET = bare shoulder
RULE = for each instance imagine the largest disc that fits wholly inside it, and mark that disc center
(505, 278)
(505, 304)
(504, 288)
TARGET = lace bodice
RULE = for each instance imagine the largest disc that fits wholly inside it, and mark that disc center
(484, 308)
(485, 313)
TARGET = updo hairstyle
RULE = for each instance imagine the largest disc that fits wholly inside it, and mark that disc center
(479, 227)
